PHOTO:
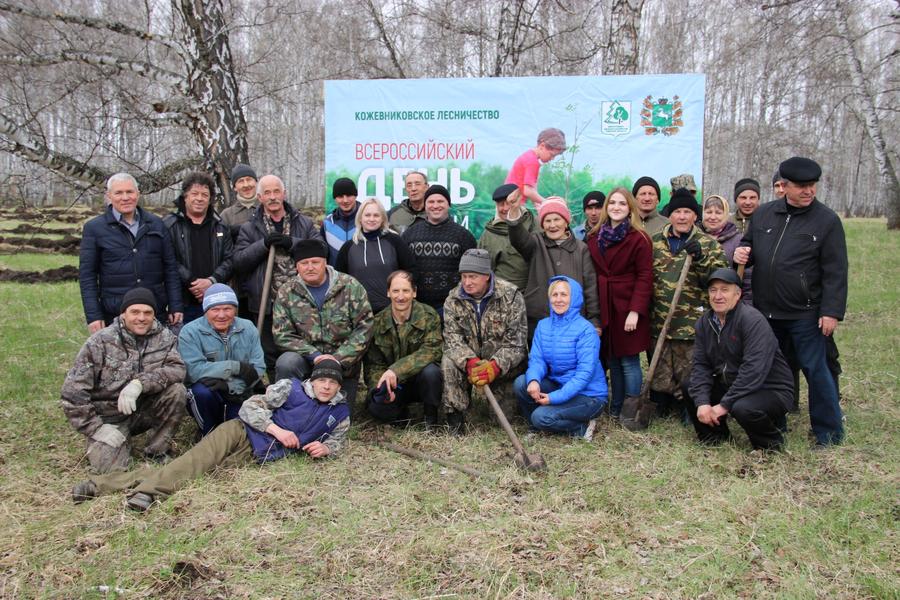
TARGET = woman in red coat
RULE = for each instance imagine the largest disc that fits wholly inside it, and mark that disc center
(623, 259)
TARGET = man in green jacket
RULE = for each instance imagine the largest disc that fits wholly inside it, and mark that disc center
(506, 262)
(320, 314)
(401, 364)
(671, 247)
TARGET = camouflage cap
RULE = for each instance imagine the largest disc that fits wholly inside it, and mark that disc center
(685, 180)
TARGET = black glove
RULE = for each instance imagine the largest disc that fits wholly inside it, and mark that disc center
(279, 240)
(693, 248)
(216, 385)
(248, 374)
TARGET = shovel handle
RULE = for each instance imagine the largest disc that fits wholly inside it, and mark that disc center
(267, 283)
(503, 421)
(661, 341)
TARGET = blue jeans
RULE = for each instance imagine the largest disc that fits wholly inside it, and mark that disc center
(569, 417)
(809, 350)
(209, 408)
(625, 378)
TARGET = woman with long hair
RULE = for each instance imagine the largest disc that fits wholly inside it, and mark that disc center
(374, 252)
(623, 259)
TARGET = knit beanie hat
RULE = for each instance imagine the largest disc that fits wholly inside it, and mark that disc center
(777, 177)
(241, 170)
(554, 205)
(641, 182)
(682, 198)
(746, 184)
(138, 296)
(593, 198)
(327, 368)
(475, 260)
(343, 186)
(303, 249)
(218, 294)
(438, 189)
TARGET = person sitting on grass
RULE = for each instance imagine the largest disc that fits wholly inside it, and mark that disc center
(291, 417)
(564, 387)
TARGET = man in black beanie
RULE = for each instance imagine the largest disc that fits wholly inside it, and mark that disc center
(646, 194)
(243, 182)
(746, 201)
(438, 243)
(592, 204)
(127, 379)
(339, 225)
(799, 253)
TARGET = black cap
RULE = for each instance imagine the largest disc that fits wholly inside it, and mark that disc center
(308, 249)
(641, 182)
(682, 198)
(328, 368)
(746, 184)
(138, 296)
(438, 189)
(241, 170)
(726, 275)
(343, 186)
(503, 192)
(593, 198)
(800, 170)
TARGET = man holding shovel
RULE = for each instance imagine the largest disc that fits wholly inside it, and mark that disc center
(671, 247)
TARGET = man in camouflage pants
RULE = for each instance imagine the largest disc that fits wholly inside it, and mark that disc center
(127, 379)
(485, 332)
(671, 246)
(320, 314)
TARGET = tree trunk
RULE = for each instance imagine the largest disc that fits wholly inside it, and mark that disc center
(623, 50)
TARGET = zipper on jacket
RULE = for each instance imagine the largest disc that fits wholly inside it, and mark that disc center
(775, 253)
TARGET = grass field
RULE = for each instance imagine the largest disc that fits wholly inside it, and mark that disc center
(628, 516)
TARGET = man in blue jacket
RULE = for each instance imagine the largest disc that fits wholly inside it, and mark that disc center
(125, 248)
(799, 253)
(339, 225)
(224, 359)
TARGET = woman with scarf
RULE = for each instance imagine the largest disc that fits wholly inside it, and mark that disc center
(374, 252)
(716, 224)
(623, 259)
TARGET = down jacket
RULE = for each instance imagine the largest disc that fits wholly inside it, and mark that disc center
(565, 350)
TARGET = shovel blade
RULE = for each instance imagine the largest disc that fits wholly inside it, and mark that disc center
(637, 412)
(530, 461)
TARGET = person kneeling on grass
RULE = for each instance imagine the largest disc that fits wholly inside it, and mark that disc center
(564, 387)
(292, 416)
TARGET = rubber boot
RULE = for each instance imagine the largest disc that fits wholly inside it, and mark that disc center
(456, 423)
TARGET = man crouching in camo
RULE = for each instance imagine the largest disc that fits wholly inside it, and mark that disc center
(127, 379)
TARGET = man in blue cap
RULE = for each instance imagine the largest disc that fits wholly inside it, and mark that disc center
(799, 253)
(224, 359)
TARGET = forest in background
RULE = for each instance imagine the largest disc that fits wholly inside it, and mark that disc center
(160, 87)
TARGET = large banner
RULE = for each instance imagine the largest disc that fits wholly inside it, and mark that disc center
(466, 134)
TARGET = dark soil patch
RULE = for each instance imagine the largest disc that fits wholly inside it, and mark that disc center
(66, 273)
(29, 228)
(67, 245)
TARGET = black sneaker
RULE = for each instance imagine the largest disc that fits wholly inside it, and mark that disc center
(86, 490)
(140, 502)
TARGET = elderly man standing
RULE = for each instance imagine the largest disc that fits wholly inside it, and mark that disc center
(671, 247)
(413, 207)
(126, 380)
(737, 370)
(646, 193)
(437, 243)
(274, 224)
(799, 253)
(124, 248)
(224, 359)
(202, 242)
(506, 262)
(321, 314)
(485, 342)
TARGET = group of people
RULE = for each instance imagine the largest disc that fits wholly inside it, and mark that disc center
(537, 308)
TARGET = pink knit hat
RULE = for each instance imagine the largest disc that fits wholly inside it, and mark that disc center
(557, 205)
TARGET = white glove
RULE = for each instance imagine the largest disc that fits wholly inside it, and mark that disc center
(128, 397)
(109, 435)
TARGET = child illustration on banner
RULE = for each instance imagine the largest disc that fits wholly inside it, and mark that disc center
(525, 171)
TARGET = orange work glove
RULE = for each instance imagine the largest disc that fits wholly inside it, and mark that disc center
(485, 372)
(470, 365)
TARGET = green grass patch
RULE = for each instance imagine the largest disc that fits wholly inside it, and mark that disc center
(629, 516)
(36, 262)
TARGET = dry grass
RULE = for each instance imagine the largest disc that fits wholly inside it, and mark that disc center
(629, 516)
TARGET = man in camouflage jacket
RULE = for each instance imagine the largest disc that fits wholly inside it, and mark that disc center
(321, 314)
(671, 247)
(485, 331)
(127, 379)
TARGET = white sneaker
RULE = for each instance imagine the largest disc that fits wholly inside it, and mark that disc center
(589, 432)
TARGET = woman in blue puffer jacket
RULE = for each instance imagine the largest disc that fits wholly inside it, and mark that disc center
(564, 387)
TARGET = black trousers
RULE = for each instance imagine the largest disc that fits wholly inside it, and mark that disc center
(270, 350)
(425, 388)
(761, 415)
